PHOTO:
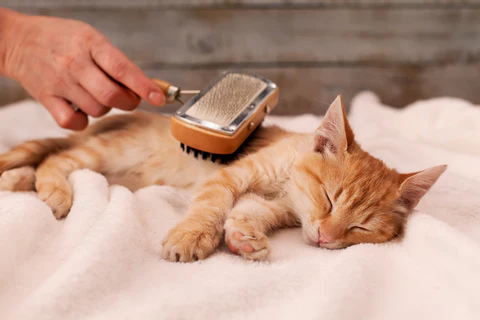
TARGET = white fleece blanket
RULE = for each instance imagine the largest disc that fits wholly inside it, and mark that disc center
(102, 262)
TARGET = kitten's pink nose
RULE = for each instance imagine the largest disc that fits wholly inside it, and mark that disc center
(323, 238)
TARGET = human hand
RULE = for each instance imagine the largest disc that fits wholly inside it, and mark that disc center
(62, 62)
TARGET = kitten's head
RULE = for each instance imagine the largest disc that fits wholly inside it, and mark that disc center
(345, 196)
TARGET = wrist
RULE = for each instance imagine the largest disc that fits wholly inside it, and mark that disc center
(8, 24)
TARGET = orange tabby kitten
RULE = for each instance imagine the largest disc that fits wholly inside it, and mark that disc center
(325, 182)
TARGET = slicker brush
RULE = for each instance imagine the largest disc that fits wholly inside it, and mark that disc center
(216, 121)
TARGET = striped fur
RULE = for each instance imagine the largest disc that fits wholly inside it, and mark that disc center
(324, 182)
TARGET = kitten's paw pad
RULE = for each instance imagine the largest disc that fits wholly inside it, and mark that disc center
(243, 240)
(189, 242)
(20, 179)
(58, 199)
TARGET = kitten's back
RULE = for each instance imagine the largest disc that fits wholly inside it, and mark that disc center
(133, 149)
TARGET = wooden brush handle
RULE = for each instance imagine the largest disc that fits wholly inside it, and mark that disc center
(164, 85)
(171, 92)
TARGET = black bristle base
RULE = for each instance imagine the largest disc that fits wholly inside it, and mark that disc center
(221, 158)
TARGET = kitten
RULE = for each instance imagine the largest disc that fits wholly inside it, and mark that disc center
(324, 182)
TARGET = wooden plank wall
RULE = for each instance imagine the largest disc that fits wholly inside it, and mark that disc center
(314, 50)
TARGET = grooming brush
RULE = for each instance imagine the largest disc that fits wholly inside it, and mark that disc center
(217, 120)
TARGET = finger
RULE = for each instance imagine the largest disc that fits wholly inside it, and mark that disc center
(105, 91)
(64, 114)
(120, 68)
(83, 100)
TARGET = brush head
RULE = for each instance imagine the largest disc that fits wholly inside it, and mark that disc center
(225, 113)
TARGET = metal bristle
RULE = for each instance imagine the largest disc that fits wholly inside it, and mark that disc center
(205, 155)
(196, 152)
(188, 150)
(182, 146)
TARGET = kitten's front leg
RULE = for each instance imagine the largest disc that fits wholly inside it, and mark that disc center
(199, 234)
(252, 218)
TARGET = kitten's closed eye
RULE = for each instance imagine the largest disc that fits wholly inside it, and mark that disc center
(330, 208)
(359, 228)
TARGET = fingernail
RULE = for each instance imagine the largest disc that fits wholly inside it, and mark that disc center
(156, 98)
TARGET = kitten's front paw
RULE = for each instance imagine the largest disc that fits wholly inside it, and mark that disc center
(57, 196)
(242, 239)
(189, 241)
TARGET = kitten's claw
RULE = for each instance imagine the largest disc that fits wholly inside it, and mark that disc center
(188, 242)
(242, 239)
(59, 199)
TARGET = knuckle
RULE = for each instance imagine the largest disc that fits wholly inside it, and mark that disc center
(70, 61)
(87, 35)
(59, 83)
(86, 30)
(108, 96)
(119, 68)
(96, 38)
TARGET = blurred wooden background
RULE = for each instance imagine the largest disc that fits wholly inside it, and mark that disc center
(403, 50)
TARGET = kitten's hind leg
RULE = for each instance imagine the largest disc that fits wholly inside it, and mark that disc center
(19, 179)
(52, 176)
(32, 153)
(252, 218)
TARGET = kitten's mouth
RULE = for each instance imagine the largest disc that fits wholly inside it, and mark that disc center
(314, 242)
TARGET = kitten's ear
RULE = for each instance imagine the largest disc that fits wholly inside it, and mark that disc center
(414, 186)
(334, 133)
